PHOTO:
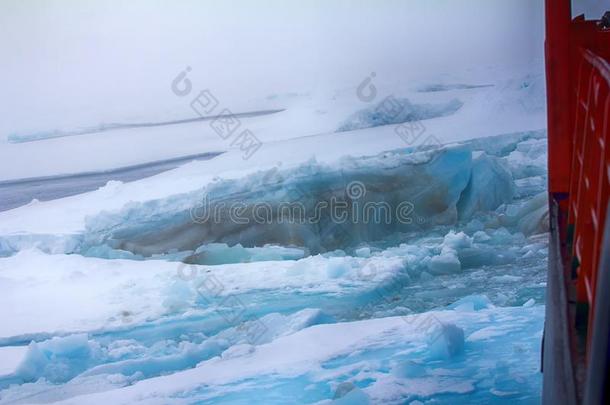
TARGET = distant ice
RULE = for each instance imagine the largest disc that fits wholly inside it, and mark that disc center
(397, 111)
(430, 88)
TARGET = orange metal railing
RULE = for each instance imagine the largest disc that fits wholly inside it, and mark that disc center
(590, 174)
(578, 87)
(576, 344)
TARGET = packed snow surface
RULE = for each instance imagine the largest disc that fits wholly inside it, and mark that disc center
(145, 302)
(385, 244)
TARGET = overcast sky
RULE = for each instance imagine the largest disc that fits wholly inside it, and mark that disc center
(77, 62)
(592, 9)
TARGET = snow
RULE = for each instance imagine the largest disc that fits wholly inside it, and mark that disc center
(152, 321)
(44, 294)
(133, 293)
(11, 357)
(321, 354)
(98, 320)
(442, 182)
(301, 123)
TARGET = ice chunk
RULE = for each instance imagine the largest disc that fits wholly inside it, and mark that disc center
(436, 87)
(482, 255)
(480, 236)
(58, 359)
(529, 186)
(529, 303)
(438, 184)
(354, 397)
(397, 111)
(219, 253)
(52, 244)
(233, 342)
(178, 296)
(457, 240)
(445, 341)
(409, 369)
(271, 252)
(490, 186)
(400, 192)
(472, 303)
(448, 261)
(343, 389)
(106, 252)
(336, 267)
(5, 249)
(238, 351)
(529, 159)
(475, 226)
(445, 263)
(272, 326)
(363, 252)
(489, 333)
(222, 253)
(530, 217)
(506, 383)
(536, 221)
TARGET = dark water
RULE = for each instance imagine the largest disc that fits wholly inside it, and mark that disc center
(15, 193)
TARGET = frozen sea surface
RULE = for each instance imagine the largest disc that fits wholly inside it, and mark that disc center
(131, 293)
(445, 310)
